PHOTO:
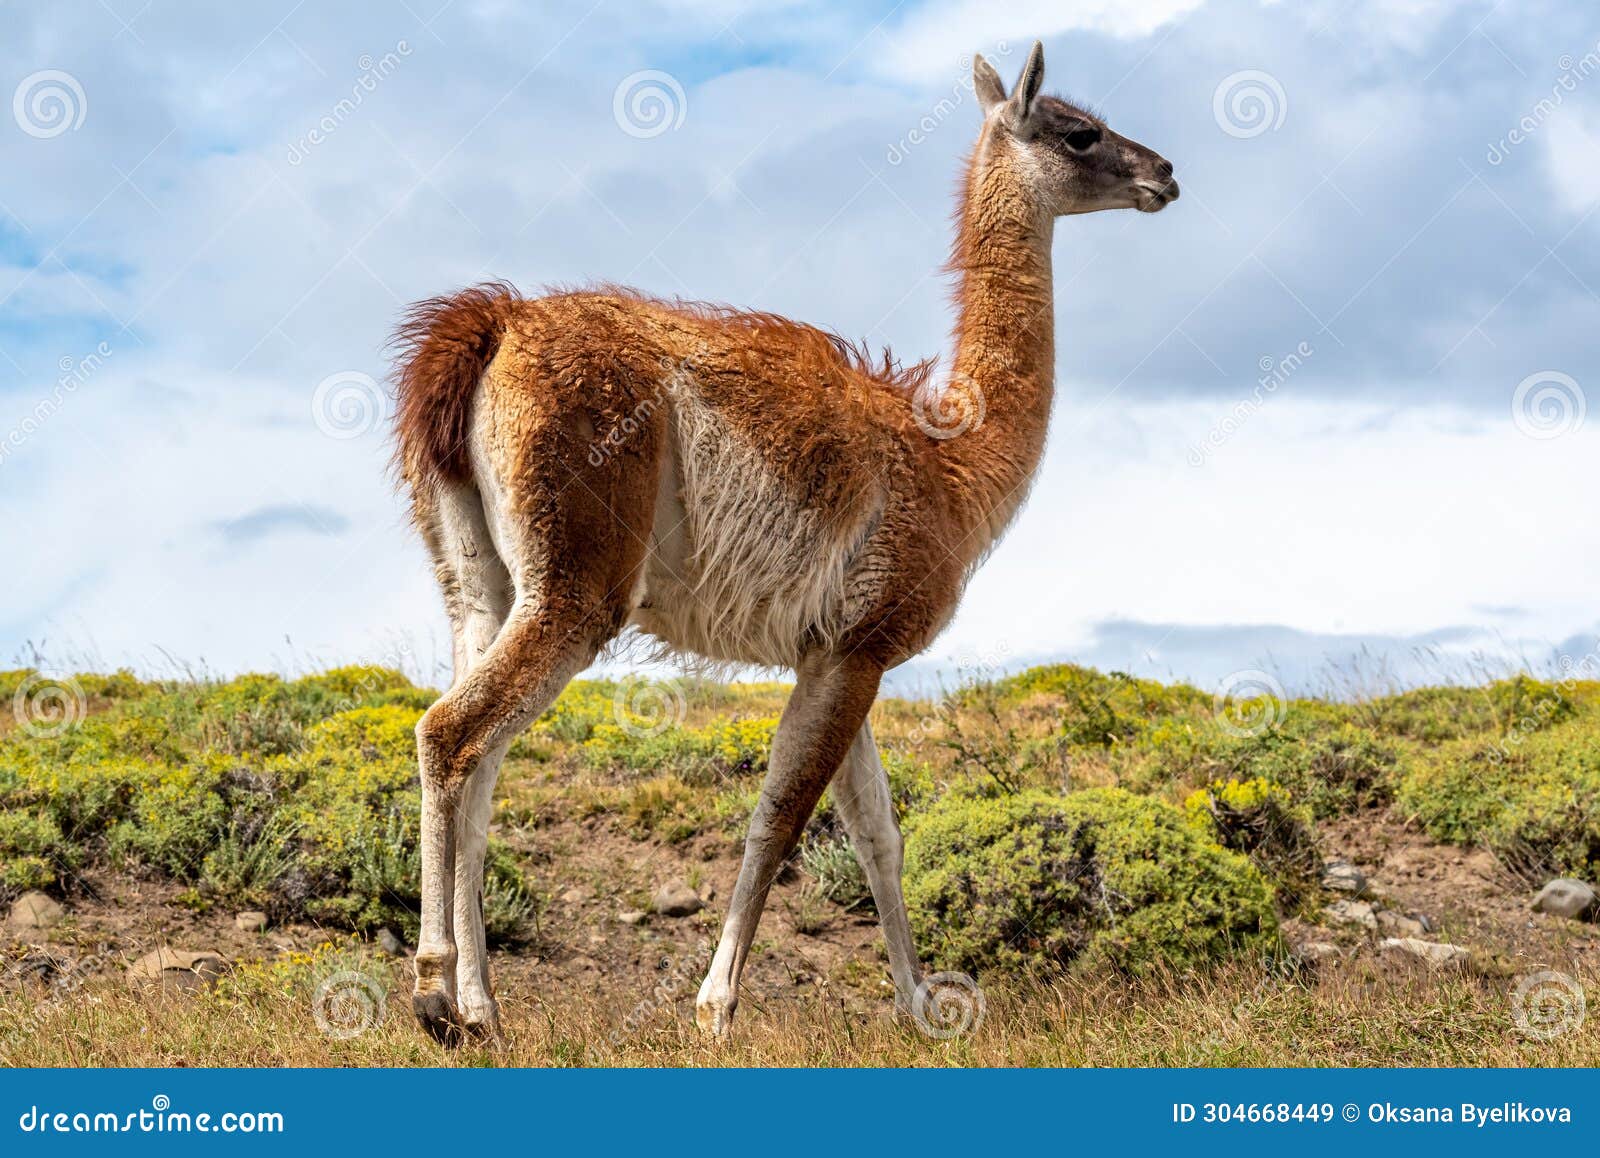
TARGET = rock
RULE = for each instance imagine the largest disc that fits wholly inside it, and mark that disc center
(390, 944)
(676, 899)
(1399, 925)
(250, 921)
(633, 917)
(1352, 913)
(574, 896)
(1340, 876)
(177, 968)
(1565, 897)
(1318, 951)
(35, 911)
(1434, 953)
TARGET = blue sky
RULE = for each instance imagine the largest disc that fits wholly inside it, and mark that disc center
(210, 223)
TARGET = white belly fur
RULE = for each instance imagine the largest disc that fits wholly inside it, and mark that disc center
(739, 570)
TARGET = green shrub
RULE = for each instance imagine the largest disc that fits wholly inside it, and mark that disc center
(1521, 703)
(1095, 878)
(832, 862)
(1258, 818)
(1332, 766)
(33, 853)
(699, 756)
(1533, 799)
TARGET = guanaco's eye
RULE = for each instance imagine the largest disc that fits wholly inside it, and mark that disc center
(1082, 139)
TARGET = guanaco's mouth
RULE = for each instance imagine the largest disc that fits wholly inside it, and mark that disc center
(1154, 196)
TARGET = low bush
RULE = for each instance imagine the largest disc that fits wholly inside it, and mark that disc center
(1533, 799)
(1095, 878)
(1258, 818)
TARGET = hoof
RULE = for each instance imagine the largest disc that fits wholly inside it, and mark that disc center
(484, 1029)
(714, 1018)
(436, 1013)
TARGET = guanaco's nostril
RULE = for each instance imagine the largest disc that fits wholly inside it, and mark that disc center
(1164, 167)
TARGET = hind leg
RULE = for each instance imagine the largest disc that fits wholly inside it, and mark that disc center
(540, 648)
(483, 594)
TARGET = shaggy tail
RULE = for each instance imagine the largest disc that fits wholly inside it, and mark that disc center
(442, 348)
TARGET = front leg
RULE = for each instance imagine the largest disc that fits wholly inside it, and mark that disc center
(862, 798)
(830, 702)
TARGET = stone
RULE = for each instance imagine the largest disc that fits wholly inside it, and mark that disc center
(180, 969)
(574, 896)
(676, 899)
(390, 944)
(1315, 951)
(1565, 897)
(1400, 925)
(1434, 953)
(1340, 876)
(1352, 913)
(35, 910)
(633, 917)
(250, 921)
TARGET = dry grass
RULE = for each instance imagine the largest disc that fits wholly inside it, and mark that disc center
(1350, 1016)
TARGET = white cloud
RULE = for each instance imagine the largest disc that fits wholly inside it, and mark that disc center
(1572, 158)
(938, 39)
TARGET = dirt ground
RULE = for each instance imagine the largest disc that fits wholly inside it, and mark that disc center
(807, 952)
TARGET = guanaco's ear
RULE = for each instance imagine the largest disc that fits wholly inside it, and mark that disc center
(1028, 85)
(986, 83)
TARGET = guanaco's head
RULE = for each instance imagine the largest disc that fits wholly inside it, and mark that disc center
(1070, 158)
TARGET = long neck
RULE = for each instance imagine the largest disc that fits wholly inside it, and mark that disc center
(1004, 349)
